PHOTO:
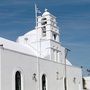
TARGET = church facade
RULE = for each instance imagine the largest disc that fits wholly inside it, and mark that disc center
(37, 60)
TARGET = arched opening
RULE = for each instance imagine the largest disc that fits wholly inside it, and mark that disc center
(18, 80)
(43, 82)
(44, 22)
(54, 36)
(44, 18)
(44, 31)
(84, 83)
(65, 83)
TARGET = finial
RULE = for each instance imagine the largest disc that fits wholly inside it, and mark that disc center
(46, 10)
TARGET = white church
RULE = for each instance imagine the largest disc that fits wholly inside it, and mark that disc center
(37, 60)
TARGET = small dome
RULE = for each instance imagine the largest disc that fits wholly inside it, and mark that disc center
(45, 13)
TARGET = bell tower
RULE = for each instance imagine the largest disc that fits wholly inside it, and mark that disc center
(50, 43)
(48, 26)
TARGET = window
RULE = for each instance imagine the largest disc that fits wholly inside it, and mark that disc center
(44, 31)
(43, 82)
(44, 23)
(18, 80)
(65, 83)
(44, 18)
(54, 36)
(84, 83)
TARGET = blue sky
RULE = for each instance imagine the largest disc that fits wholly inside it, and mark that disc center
(73, 16)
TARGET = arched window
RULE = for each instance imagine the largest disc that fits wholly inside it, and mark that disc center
(44, 31)
(44, 22)
(43, 82)
(18, 80)
(84, 83)
(44, 18)
(54, 36)
(65, 83)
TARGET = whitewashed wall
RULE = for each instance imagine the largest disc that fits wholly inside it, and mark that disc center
(12, 61)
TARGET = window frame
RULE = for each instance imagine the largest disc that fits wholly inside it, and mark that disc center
(45, 82)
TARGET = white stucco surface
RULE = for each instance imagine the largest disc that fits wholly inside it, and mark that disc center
(16, 46)
(12, 61)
